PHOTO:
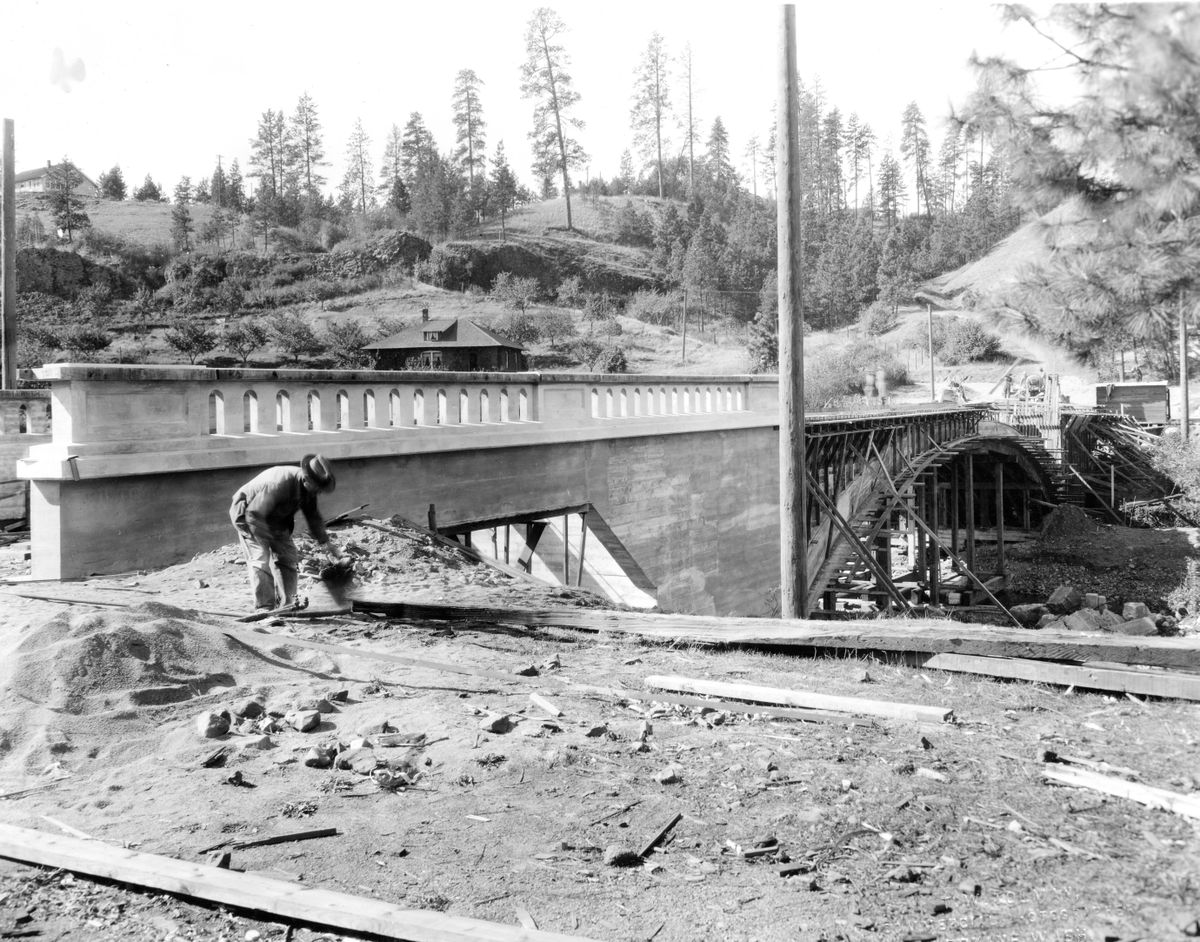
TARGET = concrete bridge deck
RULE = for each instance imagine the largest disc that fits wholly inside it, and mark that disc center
(678, 474)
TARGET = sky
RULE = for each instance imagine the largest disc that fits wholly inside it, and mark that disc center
(164, 89)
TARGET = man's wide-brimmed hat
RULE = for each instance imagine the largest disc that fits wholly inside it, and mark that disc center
(316, 471)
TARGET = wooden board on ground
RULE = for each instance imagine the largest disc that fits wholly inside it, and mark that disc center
(257, 894)
(779, 712)
(932, 637)
(1186, 805)
(1148, 683)
(802, 698)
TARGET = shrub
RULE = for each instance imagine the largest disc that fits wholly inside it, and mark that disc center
(244, 338)
(191, 337)
(610, 360)
(101, 242)
(556, 326)
(586, 349)
(83, 342)
(597, 307)
(570, 292)
(293, 335)
(878, 319)
(655, 307)
(633, 227)
(345, 344)
(515, 292)
(965, 340)
(519, 326)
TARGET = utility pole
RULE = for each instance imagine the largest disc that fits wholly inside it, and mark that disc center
(932, 376)
(8, 261)
(1183, 374)
(793, 510)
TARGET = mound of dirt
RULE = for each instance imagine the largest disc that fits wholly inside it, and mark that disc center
(1068, 522)
(88, 678)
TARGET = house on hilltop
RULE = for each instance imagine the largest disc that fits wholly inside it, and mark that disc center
(456, 344)
(38, 181)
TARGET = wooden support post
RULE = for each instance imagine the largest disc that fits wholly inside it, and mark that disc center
(935, 557)
(566, 549)
(1000, 570)
(507, 540)
(533, 534)
(970, 521)
(1026, 523)
(793, 504)
(8, 262)
(582, 546)
(433, 518)
(954, 507)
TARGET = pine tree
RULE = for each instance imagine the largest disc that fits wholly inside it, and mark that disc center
(66, 205)
(690, 132)
(1127, 149)
(469, 126)
(891, 190)
(237, 190)
(359, 180)
(504, 185)
(181, 217)
(651, 103)
(545, 79)
(718, 165)
(417, 150)
(267, 153)
(914, 146)
(112, 184)
(219, 186)
(148, 192)
(392, 188)
(307, 144)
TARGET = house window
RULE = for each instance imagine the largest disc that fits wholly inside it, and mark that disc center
(431, 359)
(431, 335)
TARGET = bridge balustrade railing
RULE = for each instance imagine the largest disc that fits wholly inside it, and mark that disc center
(250, 416)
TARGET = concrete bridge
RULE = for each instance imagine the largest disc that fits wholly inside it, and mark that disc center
(667, 485)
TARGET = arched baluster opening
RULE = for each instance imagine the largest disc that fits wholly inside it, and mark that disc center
(637, 401)
(343, 409)
(369, 409)
(485, 406)
(504, 416)
(624, 403)
(464, 406)
(216, 413)
(394, 408)
(595, 403)
(443, 408)
(250, 411)
(314, 411)
(523, 406)
(418, 407)
(608, 403)
(283, 412)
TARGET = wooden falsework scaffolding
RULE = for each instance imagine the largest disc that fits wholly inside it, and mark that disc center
(871, 473)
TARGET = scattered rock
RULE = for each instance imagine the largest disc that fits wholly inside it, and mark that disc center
(250, 709)
(671, 775)
(303, 720)
(1029, 615)
(1109, 620)
(596, 732)
(527, 671)
(501, 723)
(940, 907)
(317, 759)
(201, 584)
(615, 855)
(645, 731)
(359, 760)
(1064, 600)
(1049, 621)
(338, 696)
(1091, 600)
(866, 678)
(324, 706)
(1085, 619)
(970, 888)
(1138, 626)
(210, 724)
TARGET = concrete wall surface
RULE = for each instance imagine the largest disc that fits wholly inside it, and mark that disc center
(684, 470)
(24, 423)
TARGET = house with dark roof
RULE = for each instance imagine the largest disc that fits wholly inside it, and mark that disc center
(457, 344)
(38, 181)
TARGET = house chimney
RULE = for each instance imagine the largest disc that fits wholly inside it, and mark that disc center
(424, 315)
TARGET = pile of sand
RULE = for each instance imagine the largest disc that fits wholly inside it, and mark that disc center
(117, 685)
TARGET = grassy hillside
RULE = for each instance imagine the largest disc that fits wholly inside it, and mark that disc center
(142, 223)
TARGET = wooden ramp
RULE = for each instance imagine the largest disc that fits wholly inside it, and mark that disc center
(919, 636)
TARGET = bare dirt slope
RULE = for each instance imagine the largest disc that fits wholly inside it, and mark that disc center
(897, 830)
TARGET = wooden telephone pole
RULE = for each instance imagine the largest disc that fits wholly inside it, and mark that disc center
(8, 262)
(793, 518)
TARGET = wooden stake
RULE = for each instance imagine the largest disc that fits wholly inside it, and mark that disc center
(793, 523)
(1184, 405)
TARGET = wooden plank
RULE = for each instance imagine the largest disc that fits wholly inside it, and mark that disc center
(286, 838)
(658, 835)
(787, 713)
(540, 701)
(1152, 684)
(1186, 805)
(802, 698)
(911, 635)
(257, 894)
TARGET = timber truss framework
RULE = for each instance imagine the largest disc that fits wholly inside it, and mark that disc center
(914, 474)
